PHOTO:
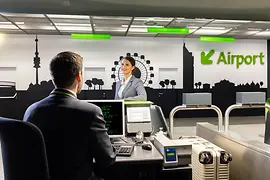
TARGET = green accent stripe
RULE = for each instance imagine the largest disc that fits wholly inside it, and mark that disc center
(90, 36)
(168, 30)
(130, 102)
(216, 39)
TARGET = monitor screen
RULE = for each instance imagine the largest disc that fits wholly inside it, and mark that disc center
(113, 112)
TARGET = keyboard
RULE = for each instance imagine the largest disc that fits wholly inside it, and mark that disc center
(123, 149)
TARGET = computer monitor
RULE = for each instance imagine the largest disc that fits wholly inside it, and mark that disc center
(114, 115)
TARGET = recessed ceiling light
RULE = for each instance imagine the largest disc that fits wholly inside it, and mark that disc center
(264, 33)
(140, 26)
(158, 19)
(231, 21)
(8, 26)
(211, 31)
(192, 27)
(67, 16)
(208, 27)
(18, 23)
(71, 24)
(74, 28)
(262, 22)
(254, 29)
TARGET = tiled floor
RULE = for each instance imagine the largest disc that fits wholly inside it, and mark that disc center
(249, 127)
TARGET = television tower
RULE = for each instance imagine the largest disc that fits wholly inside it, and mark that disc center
(36, 60)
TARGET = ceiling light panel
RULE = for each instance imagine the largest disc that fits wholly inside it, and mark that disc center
(230, 21)
(138, 30)
(109, 29)
(264, 33)
(210, 31)
(70, 21)
(160, 19)
(29, 20)
(71, 24)
(74, 28)
(155, 21)
(37, 27)
(242, 32)
(182, 24)
(23, 15)
(8, 26)
(227, 25)
(255, 25)
(110, 21)
(58, 16)
(262, 22)
(120, 18)
(198, 20)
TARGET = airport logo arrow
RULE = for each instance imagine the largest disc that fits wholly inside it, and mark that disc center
(205, 58)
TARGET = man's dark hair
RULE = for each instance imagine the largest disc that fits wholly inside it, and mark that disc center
(131, 60)
(64, 68)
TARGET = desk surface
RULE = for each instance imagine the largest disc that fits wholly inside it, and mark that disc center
(140, 154)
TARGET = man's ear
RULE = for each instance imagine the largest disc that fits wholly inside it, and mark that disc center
(79, 77)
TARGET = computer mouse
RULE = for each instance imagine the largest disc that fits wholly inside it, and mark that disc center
(147, 147)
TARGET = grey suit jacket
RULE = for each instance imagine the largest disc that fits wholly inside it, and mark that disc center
(134, 90)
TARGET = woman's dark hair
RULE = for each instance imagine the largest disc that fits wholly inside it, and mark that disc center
(130, 59)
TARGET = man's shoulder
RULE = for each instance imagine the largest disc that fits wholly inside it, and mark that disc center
(70, 105)
(86, 106)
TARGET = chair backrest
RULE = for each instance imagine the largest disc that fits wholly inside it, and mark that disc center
(23, 151)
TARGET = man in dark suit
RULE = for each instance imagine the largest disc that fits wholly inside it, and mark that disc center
(74, 131)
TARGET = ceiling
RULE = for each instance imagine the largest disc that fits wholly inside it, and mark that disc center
(55, 24)
(221, 9)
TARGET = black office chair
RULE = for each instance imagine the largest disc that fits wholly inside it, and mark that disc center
(23, 151)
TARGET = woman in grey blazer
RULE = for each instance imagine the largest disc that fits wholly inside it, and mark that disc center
(130, 87)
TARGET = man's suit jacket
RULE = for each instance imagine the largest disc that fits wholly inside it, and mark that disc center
(74, 134)
(134, 90)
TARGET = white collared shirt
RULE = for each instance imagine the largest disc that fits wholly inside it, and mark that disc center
(123, 86)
